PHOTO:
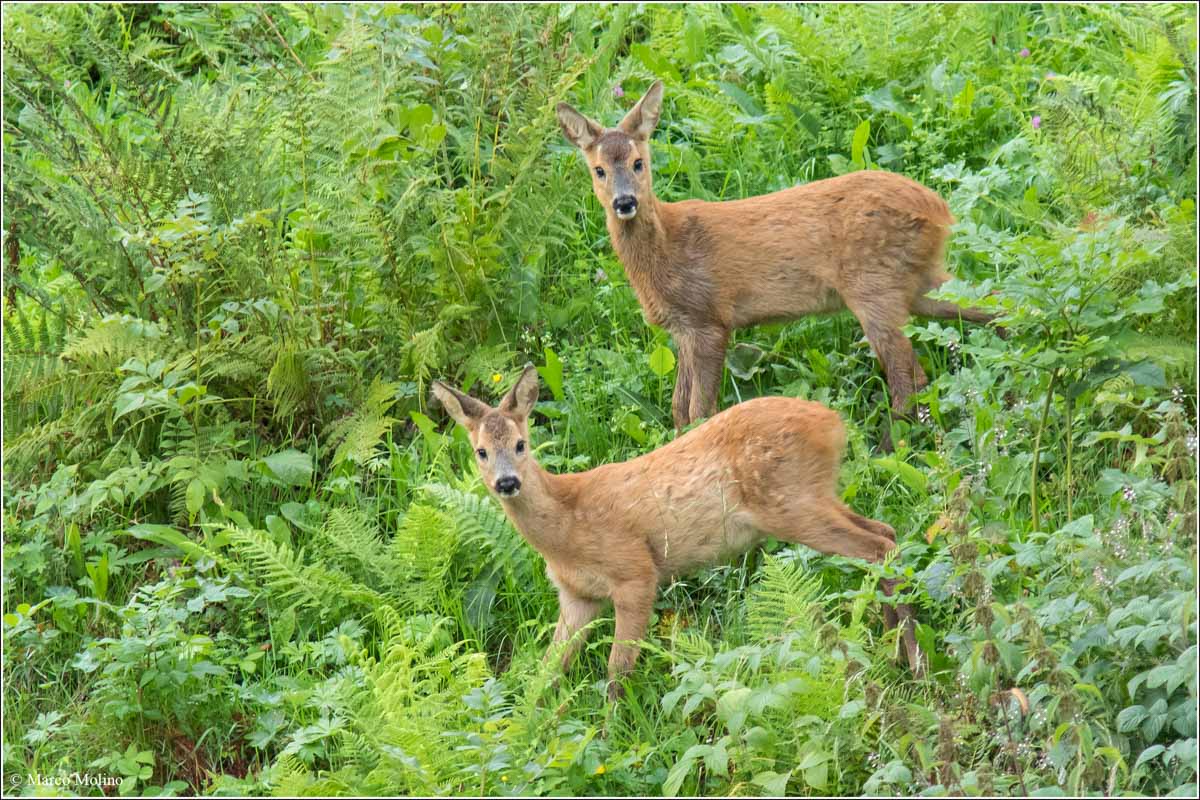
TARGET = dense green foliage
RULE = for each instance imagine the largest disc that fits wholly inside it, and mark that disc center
(242, 554)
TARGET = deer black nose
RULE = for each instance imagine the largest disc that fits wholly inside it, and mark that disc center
(508, 485)
(625, 204)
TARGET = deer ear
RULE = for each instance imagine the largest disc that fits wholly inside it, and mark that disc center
(579, 130)
(521, 398)
(640, 121)
(466, 410)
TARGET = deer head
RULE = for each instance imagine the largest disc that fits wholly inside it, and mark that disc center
(618, 158)
(499, 435)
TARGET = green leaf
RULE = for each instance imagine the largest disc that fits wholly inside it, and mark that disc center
(744, 360)
(75, 546)
(732, 708)
(167, 536)
(912, 477)
(552, 374)
(655, 62)
(1147, 373)
(774, 783)
(128, 402)
(1131, 717)
(195, 498)
(745, 101)
(858, 147)
(694, 44)
(290, 466)
(98, 572)
(662, 361)
(632, 424)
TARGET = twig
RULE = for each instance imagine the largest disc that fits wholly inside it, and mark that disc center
(283, 42)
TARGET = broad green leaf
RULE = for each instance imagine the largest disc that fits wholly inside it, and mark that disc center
(195, 498)
(632, 424)
(774, 783)
(126, 403)
(744, 360)
(662, 361)
(858, 146)
(552, 374)
(694, 44)
(909, 475)
(290, 466)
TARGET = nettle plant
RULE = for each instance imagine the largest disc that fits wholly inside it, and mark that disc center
(1050, 599)
(1075, 329)
(164, 669)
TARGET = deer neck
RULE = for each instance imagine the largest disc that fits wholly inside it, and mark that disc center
(542, 509)
(641, 243)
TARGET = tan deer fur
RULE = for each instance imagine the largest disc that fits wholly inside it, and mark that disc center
(869, 241)
(765, 467)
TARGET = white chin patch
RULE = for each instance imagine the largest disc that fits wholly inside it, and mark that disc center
(627, 214)
(513, 493)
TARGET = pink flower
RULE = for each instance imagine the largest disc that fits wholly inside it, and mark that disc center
(1024, 52)
(1037, 122)
(618, 92)
(1051, 75)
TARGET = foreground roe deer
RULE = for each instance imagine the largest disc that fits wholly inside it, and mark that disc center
(766, 467)
(869, 241)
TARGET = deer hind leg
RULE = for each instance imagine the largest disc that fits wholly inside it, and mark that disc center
(940, 309)
(895, 352)
(831, 528)
(574, 613)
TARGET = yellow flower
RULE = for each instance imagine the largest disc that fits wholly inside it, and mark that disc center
(504, 778)
(600, 770)
(496, 376)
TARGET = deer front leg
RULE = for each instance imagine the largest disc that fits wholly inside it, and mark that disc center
(633, 602)
(701, 358)
(681, 400)
(574, 613)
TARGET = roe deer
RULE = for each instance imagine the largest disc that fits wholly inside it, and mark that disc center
(765, 467)
(869, 241)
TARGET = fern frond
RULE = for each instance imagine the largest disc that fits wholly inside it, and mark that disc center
(785, 598)
(481, 524)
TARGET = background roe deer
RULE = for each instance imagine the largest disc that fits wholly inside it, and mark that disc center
(766, 467)
(869, 241)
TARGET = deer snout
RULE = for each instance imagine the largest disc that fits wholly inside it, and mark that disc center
(508, 486)
(625, 205)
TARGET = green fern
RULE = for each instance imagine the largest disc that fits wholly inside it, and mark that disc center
(357, 436)
(421, 553)
(480, 524)
(785, 598)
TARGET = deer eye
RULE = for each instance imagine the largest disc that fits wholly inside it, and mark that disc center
(600, 173)
(482, 454)
(637, 165)
(520, 445)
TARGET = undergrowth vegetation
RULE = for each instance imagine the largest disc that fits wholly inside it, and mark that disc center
(242, 554)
